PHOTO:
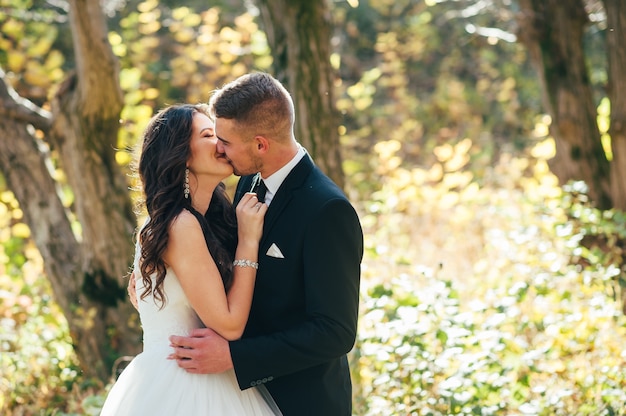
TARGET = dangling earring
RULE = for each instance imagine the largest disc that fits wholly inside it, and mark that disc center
(186, 185)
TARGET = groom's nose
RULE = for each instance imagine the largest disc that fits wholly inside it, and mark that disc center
(220, 147)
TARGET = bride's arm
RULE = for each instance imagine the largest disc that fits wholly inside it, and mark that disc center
(189, 257)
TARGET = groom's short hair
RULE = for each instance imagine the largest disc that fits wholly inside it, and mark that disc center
(258, 103)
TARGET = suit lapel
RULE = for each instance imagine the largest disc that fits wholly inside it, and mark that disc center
(243, 186)
(285, 193)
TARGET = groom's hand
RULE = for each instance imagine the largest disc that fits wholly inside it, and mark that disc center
(202, 352)
(132, 292)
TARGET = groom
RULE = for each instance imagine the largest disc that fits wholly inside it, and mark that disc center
(304, 313)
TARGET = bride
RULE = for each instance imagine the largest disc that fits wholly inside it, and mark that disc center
(195, 266)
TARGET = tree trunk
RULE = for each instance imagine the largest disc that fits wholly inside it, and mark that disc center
(299, 32)
(616, 49)
(84, 267)
(552, 32)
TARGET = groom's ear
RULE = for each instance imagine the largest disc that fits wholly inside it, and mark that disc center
(262, 144)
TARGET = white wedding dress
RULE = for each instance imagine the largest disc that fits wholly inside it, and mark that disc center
(153, 385)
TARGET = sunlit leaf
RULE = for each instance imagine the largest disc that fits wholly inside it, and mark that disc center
(192, 20)
(130, 78)
(13, 28)
(36, 74)
(16, 61)
(20, 230)
(180, 13)
(544, 149)
(147, 5)
(149, 27)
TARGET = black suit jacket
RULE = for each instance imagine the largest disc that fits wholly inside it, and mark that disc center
(304, 311)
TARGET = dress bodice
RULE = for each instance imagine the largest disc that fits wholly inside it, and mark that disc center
(176, 317)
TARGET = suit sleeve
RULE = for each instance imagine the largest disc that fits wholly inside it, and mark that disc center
(332, 254)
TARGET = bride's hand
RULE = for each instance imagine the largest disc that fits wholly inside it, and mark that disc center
(250, 214)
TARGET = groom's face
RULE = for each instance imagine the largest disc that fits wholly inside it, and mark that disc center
(241, 151)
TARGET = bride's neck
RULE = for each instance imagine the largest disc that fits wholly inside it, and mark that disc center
(201, 194)
(200, 200)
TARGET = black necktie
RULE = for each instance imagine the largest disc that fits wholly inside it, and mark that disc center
(260, 189)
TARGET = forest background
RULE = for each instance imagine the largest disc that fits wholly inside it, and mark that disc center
(493, 273)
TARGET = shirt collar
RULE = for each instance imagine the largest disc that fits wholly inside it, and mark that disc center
(276, 179)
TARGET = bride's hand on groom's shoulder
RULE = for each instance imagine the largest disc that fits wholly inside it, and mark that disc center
(204, 351)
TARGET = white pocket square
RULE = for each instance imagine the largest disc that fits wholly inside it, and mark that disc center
(274, 251)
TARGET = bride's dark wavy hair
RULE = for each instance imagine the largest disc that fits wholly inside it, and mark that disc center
(162, 163)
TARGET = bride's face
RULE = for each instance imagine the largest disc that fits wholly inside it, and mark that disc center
(205, 159)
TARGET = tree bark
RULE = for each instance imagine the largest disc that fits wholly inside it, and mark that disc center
(552, 32)
(85, 267)
(616, 49)
(24, 162)
(299, 33)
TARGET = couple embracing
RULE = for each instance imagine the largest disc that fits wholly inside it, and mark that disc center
(247, 308)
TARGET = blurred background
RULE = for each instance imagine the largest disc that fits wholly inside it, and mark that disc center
(483, 143)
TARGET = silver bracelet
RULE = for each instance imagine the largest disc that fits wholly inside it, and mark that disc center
(246, 263)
